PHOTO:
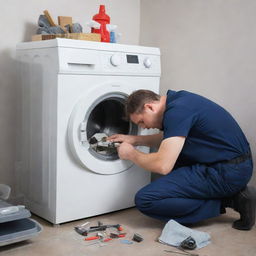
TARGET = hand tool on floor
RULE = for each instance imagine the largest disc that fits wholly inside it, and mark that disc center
(101, 228)
(182, 253)
(81, 229)
(92, 238)
(113, 235)
(98, 236)
(137, 238)
(189, 243)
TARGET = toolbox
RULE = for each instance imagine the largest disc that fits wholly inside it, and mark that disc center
(15, 223)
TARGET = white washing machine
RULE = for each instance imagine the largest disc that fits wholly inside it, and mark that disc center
(71, 90)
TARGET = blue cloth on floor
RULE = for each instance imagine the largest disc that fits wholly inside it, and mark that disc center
(174, 233)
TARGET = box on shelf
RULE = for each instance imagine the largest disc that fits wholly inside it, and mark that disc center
(79, 36)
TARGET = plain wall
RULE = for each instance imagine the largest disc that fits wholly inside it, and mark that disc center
(19, 23)
(208, 47)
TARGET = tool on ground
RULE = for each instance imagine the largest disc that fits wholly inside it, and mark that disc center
(97, 242)
(182, 253)
(189, 243)
(92, 238)
(81, 229)
(107, 240)
(98, 236)
(104, 227)
(84, 231)
(137, 238)
(114, 235)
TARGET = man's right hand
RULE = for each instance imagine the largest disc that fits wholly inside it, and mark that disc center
(131, 139)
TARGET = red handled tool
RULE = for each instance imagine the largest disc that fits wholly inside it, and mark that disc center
(92, 238)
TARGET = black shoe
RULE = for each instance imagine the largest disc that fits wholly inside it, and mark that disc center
(245, 204)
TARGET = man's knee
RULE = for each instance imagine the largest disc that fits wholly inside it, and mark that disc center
(142, 200)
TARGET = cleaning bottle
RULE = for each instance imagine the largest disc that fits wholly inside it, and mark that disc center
(103, 19)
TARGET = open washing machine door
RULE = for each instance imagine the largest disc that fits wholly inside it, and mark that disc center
(101, 110)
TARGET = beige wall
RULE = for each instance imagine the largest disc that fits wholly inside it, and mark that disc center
(18, 23)
(207, 47)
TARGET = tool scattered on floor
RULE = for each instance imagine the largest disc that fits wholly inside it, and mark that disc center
(182, 253)
(137, 238)
(189, 243)
(98, 236)
(102, 238)
(82, 231)
(102, 228)
(113, 235)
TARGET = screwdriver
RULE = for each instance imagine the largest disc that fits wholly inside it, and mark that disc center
(92, 238)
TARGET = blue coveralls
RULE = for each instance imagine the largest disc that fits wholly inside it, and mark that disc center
(193, 190)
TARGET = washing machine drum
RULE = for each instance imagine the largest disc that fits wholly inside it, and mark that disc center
(106, 115)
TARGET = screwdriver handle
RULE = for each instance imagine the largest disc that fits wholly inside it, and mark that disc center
(107, 239)
(91, 238)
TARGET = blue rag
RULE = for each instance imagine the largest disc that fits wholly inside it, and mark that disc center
(174, 233)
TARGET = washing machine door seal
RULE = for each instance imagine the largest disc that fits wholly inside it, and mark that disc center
(80, 115)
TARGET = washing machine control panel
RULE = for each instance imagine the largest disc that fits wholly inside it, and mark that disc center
(77, 61)
(131, 62)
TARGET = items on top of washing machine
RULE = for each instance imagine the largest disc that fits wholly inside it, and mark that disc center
(103, 19)
(99, 143)
(15, 224)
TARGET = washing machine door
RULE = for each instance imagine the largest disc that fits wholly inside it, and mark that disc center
(101, 110)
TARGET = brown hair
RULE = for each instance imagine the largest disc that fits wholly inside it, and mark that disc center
(136, 101)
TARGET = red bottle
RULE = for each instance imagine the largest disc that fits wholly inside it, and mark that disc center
(103, 19)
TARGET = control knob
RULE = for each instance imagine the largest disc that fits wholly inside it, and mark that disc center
(147, 62)
(115, 60)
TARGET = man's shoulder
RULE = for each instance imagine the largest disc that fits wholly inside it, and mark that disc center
(187, 97)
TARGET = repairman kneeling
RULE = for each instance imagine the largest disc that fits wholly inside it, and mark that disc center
(203, 155)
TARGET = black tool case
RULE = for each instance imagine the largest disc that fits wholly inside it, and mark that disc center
(16, 224)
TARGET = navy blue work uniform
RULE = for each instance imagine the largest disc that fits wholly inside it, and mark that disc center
(214, 162)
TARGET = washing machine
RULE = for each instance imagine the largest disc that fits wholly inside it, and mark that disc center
(70, 91)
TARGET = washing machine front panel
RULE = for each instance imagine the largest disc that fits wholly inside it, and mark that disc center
(83, 117)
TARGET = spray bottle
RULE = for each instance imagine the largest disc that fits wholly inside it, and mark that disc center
(103, 19)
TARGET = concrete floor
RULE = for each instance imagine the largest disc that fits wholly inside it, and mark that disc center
(64, 241)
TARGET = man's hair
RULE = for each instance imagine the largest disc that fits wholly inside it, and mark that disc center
(136, 101)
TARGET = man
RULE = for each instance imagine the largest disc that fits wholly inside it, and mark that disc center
(203, 156)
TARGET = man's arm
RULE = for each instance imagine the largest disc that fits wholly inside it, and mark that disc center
(153, 140)
(160, 162)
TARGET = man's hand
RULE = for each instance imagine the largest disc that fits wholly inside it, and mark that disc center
(122, 138)
(125, 151)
